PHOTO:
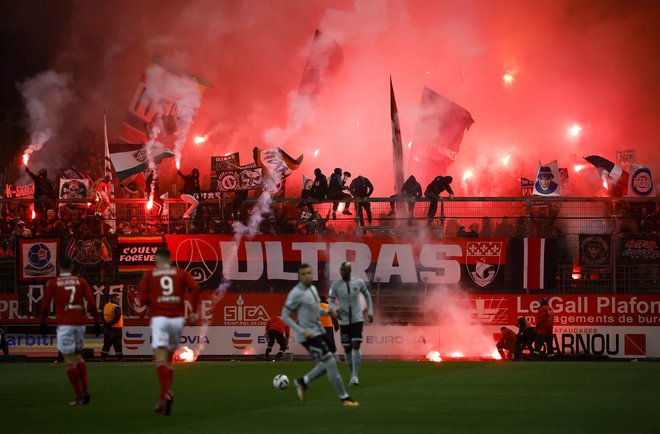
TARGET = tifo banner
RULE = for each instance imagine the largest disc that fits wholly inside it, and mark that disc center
(136, 253)
(19, 191)
(526, 187)
(37, 259)
(74, 188)
(90, 251)
(595, 249)
(225, 162)
(548, 180)
(272, 261)
(639, 248)
(237, 180)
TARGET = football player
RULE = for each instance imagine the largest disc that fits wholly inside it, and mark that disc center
(347, 291)
(163, 289)
(303, 302)
(70, 293)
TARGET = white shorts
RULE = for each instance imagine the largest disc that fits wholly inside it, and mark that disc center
(166, 332)
(70, 338)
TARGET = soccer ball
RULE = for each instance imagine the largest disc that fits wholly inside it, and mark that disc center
(281, 382)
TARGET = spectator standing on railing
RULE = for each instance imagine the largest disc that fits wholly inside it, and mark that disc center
(411, 191)
(190, 188)
(362, 188)
(336, 192)
(318, 190)
(131, 190)
(433, 191)
(44, 192)
(103, 194)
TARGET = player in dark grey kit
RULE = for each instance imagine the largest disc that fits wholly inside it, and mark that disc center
(303, 301)
(347, 291)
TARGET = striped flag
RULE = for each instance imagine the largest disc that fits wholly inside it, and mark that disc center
(130, 158)
(533, 263)
(276, 164)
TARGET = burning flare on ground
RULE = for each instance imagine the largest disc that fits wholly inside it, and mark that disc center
(184, 355)
(434, 356)
(495, 355)
(456, 355)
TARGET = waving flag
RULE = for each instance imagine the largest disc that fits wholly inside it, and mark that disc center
(276, 164)
(612, 173)
(548, 180)
(325, 57)
(441, 124)
(160, 105)
(130, 159)
(397, 146)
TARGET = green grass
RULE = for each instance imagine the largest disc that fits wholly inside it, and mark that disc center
(395, 397)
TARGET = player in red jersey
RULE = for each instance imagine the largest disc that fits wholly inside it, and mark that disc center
(163, 289)
(70, 293)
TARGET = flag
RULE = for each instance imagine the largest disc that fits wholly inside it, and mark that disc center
(107, 166)
(533, 263)
(325, 57)
(72, 173)
(548, 180)
(397, 146)
(129, 158)
(160, 105)
(439, 131)
(276, 164)
(640, 181)
(613, 174)
(625, 158)
(307, 183)
(526, 187)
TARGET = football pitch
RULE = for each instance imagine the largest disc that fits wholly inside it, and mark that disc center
(395, 397)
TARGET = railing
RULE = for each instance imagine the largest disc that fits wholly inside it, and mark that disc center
(564, 219)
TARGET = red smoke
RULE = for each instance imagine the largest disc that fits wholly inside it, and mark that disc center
(526, 71)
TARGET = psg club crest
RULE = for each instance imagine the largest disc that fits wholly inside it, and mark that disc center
(642, 181)
(482, 261)
(140, 155)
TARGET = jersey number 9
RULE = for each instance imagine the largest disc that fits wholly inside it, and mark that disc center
(167, 284)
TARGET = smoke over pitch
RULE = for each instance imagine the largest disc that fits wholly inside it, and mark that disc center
(560, 53)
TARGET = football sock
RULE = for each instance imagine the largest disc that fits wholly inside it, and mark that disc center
(334, 377)
(171, 372)
(357, 360)
(163, 378)
(348, 358)
(72, 373)
(81, 366)
(316, 372)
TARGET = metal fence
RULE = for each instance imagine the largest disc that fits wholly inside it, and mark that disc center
(562, 219)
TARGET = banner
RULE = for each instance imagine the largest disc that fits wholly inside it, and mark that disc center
(91, 252)
(547, 180)
(533, 263)
(136, 253)
(615, 176)
(224, 162)
(131, 158)
(617, 326)
(19, 191)
(77, 189)
(526, 187)
(37, 259)
(625, 158)
(272, 261)
(639, 248)
(237, 180)
(640, 181)
(595, 250)
(276, 164)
